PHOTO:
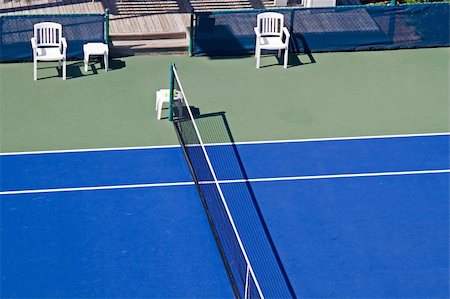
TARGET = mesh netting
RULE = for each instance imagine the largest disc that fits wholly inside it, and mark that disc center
(342, 28)
(16, 32)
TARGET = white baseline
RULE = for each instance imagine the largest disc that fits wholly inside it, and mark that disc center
(220, 144)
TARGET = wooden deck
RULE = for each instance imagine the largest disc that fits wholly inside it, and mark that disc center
(152, 23)
(134, 16)
(119, 23)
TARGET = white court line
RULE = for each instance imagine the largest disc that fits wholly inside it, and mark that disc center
(334, 139)
(90, 150)
(336, 176)
(255, 180)
(227, 143)
(95, 188)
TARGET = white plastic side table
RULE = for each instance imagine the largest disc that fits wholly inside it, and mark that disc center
(90, 49)
(163, 96)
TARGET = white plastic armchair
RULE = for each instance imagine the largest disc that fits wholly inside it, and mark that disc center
(271, 35)
(49, 45)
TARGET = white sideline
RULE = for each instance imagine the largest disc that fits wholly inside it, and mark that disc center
(336, 176)
(255, 180)
(227, 143)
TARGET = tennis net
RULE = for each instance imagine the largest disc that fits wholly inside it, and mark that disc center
(243, 279)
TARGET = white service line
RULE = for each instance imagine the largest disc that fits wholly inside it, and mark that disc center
(226, 143)
(335, 176)
(95, 188)
(333, 139)
(255, 180)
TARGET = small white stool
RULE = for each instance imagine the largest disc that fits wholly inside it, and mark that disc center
(95, 49)
(163, 96)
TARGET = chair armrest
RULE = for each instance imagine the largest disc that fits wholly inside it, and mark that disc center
(33, 43)
(258, 34)
(64, 45)
(286, 32)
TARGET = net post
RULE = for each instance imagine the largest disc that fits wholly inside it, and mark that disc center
(191, 34)
(107, 26)
(172, 65)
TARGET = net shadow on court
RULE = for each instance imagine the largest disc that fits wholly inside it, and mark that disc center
(216, 129)
(242, 203)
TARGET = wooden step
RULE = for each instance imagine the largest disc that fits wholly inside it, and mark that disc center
(146, 7)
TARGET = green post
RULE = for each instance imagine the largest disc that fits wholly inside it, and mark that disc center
(393, 2)
(191, 34)
(107, 26)
(172, 65)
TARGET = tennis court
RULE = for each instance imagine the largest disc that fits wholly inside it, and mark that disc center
(336, 178)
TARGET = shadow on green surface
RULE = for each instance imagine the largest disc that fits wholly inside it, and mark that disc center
(76, 69)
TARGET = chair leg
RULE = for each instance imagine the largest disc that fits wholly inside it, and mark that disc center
(286, 56)
(159, 109)
(157, 101)
(106, 61)
(64, 69)
(279, 53)
(258, 58)
(86, 61)
(35, 70)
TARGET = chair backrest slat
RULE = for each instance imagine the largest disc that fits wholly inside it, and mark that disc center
(48, 34)
(270, 23)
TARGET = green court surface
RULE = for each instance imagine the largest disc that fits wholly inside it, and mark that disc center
(330, 95)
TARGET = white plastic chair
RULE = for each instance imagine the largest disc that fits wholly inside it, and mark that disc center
(271, 35)
(49, 45)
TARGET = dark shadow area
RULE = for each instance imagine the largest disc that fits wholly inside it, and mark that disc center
(93, 68)
(240, 201)
(234, 38)
(219, 41)
(257, 4)
(116, 64)
(293, 60)
(298, 44)
(195, 111)
(74, 71)
(300, 59)
(185, 6)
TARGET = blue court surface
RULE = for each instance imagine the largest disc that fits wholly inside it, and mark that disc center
(338, 218)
